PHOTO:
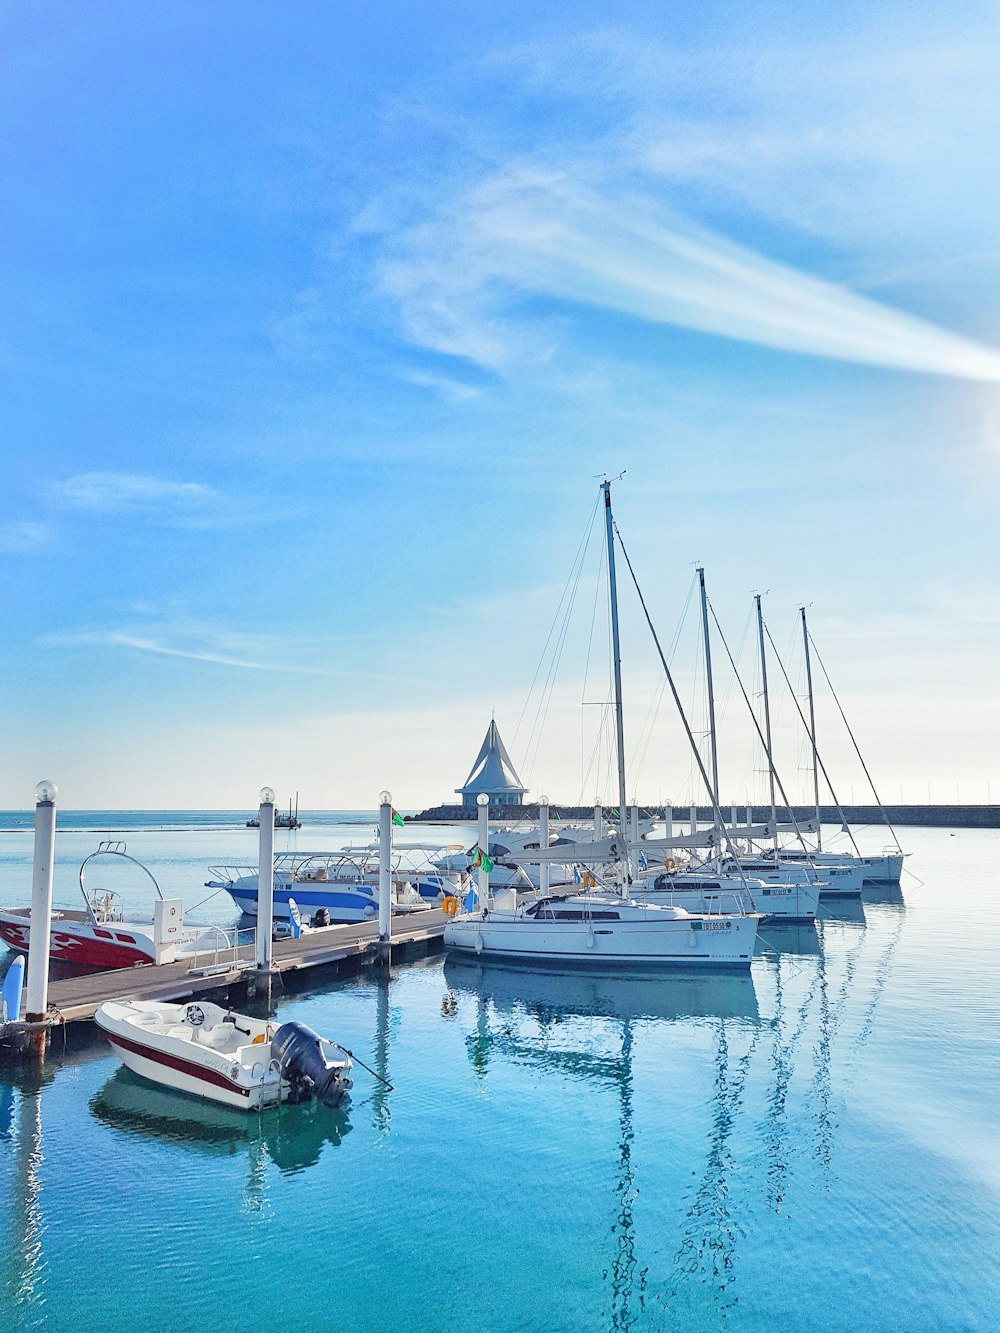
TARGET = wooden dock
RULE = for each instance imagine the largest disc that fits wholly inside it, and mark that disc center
(79, 997)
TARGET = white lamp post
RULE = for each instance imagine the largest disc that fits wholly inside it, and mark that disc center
(37, 997)
(598, 819)
(384, 866)
(483, 838)
(265, 879)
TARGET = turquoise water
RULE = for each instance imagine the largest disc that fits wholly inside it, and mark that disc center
(809, 1147)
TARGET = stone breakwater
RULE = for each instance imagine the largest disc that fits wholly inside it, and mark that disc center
(927, 816)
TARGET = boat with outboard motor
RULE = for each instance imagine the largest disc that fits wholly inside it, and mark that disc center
(102, 935)
(211, 1052)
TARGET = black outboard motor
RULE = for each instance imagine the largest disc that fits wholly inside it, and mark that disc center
(299, 1053)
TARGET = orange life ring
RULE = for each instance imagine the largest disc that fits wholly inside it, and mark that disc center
(450, 906)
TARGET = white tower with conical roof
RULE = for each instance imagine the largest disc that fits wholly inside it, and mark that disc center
(493, 773)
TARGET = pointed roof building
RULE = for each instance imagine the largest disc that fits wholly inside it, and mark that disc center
(493, 773)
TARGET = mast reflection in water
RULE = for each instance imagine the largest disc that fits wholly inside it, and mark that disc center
(767, 1111)
(522, 999)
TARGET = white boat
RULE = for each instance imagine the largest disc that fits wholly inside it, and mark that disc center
(884, 868)
(104, 935)
(831, 866)
(833, 881)
(508, 849)
(210, 1052)
(342, 884)
(603, 928)
(583, 926)
(702, 891)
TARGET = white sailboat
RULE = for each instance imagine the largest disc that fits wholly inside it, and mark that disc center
(603, 926)
(718, 891)
(884, 868)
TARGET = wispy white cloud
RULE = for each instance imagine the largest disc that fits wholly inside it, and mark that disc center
(119, 492)
(24, 538)
(165, 650)
(443, 384)
(461, 277)
(193, 641)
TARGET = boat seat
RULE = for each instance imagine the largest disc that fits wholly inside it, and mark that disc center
(219, 1038)
(180, 1030)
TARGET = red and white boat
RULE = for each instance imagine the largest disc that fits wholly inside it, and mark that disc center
(243, 1062)
(102, 936)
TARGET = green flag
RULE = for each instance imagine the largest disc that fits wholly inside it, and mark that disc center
(481, 861)
(397, 819)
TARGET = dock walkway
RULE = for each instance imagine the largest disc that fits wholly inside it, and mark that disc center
(80, 997)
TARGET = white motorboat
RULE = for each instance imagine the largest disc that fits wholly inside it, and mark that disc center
(702, 891)
(604, 928)
(343, 884)
(210, 1052)
(105, 935)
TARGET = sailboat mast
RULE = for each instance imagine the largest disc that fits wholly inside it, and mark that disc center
(767, 717)
(710, 690)
(812, 728)
(616, 650)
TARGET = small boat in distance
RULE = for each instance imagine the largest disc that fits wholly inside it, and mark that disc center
(210, 1052)
(281, 820)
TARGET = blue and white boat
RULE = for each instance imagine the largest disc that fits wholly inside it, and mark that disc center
(341, 884)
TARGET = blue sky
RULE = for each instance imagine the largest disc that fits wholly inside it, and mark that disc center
(317, 327)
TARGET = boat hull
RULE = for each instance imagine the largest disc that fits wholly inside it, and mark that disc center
(786, 903)
(81, 942)
(885, 869)
(833, 881)
(345, 902)
(723, 943)
(217, 1055)
(172, 1071)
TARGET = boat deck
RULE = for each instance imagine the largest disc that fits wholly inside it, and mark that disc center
(79, 997)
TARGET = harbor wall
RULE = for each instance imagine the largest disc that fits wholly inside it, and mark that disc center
(927, 816)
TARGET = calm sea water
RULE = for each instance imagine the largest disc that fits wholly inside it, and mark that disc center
(809, 1147)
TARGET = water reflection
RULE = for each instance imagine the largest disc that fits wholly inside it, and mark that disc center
(380, 1097)
(889, 894)
(293, 1136)
(551, 999)
(551, 995)
(774, 938)
(776, 1064)
(843, 909)
(24, 1262)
